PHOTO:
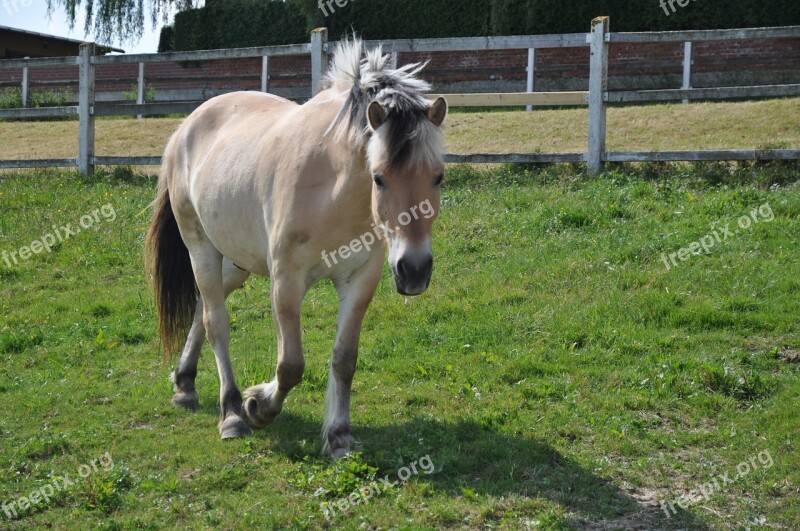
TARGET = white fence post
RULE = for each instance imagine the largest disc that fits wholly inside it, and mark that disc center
(394, 60)
(531, 72)
(140, 93)
(26, 85)
(687, 67)
(265, 73)
(319, 58)
(86, 109)
(598, 85)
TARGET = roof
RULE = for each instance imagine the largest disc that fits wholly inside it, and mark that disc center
(102, 47)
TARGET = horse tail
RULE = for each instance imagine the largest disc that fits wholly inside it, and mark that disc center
(170, 269)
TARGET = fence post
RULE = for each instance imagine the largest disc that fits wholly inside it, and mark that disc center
(598, 85)
(531, 72)
(86, 109)
(687, 67)
(140, 93)
(319, 58)
(265, 73)
(26, 85)
(394, 60)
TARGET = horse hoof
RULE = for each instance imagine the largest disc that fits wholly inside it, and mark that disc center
(188, 400)
(253, 416)
(339, 453)
(233, 427)
(340, 443)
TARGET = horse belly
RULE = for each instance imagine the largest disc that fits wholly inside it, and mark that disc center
(234, 219)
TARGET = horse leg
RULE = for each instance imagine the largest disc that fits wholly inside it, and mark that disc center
(355, 294)
(207, 266)
(183, 377)
(263, 402)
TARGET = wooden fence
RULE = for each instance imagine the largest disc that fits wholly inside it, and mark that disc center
(596, 97)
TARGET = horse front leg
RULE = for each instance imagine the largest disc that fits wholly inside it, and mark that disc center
(263, 402)
(355, 294)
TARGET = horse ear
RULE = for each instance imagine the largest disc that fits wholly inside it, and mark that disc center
(437, 111)
(376, 114)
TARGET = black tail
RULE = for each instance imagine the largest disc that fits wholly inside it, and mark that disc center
(169, 267)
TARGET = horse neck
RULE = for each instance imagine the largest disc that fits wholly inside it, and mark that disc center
(354, 186)
(348, 159)
(343, 162)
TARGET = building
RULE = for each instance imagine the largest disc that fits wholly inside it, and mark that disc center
(16, 44)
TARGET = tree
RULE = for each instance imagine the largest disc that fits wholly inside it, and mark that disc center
(118, 20)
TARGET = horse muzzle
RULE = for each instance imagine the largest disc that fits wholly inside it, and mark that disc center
(412, 274)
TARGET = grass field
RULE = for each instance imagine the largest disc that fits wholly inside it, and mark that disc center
(720, 125)
(557, 374)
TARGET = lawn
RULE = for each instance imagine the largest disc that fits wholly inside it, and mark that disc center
(718, 125)
(558, 374)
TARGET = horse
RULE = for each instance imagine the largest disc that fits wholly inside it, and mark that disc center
(252, 183)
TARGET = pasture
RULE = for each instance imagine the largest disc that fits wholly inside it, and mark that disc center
(709, 125)
(557, 374)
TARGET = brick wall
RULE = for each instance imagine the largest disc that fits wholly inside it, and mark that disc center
(631, 66)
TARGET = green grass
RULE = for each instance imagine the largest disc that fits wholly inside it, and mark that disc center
(556, 373)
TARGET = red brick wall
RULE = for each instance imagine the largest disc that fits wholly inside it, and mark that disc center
(631, 66)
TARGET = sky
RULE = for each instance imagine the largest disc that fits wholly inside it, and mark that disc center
(31, 15)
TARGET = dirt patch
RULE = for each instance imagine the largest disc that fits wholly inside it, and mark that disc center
(647, 516)
(789, 355)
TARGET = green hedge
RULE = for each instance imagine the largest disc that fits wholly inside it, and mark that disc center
(552, 16)
(235, 23)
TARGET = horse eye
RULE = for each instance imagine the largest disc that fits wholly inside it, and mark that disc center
(439, 179)
(378, 180)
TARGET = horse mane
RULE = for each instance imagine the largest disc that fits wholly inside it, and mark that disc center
(365, 76)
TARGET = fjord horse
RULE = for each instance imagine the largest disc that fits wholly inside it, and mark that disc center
(254, 183)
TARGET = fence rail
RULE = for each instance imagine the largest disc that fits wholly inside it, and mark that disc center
(205, 55)
(706, 35)
(596, 98)
(454, 44)
(720, 93)
(487, 158)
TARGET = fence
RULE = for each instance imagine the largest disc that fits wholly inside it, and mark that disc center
(597, 97)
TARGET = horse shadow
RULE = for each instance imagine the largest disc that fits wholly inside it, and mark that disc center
(476, 460)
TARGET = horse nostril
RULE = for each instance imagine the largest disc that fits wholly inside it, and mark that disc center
(408, 269)
(427, 265)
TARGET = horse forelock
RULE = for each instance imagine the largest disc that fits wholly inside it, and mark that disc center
(410, 138)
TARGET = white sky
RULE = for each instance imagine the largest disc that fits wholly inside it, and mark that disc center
(31, 15)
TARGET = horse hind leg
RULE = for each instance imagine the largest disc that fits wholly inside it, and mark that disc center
(207, 267)
(184, 375)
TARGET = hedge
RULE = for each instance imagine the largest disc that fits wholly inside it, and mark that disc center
(236, 23)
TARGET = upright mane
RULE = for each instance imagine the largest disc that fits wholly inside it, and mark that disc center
(365, 76)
